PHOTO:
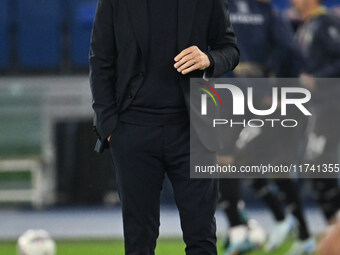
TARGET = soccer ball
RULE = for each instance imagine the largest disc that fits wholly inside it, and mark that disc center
(36, 242)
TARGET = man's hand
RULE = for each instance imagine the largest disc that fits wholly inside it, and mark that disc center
(191, 59)
(109, 138)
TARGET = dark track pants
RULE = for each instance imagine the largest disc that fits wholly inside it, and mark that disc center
(142, 156)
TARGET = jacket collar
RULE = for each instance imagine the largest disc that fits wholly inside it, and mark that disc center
(138, 12)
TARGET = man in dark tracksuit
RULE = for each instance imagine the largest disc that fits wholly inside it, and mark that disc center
(319, 40)
(143, 54)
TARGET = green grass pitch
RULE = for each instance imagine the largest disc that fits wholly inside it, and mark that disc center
(115, 247)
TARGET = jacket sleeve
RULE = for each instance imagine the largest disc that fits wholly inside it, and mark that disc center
(222, 41)
(103, 71)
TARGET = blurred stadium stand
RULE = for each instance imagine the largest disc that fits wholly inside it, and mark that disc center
(46, 135)
(39, 34)
(80, 31)
(20, 146)
(53, 35)
(4, 34)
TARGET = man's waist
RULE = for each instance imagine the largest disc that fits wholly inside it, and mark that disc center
(152, 117)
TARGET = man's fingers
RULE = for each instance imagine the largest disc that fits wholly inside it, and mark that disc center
(190, 59)
(187, 58)
(192, 68)
(184, 60)
(187, 64)
(184, 53)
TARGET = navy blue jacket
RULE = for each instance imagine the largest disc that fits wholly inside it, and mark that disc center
(265, 39)
(319, 39)
(120, 48)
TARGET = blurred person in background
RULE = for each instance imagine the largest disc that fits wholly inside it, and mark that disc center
(268, 49)
(319, 39)
(142, 56)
